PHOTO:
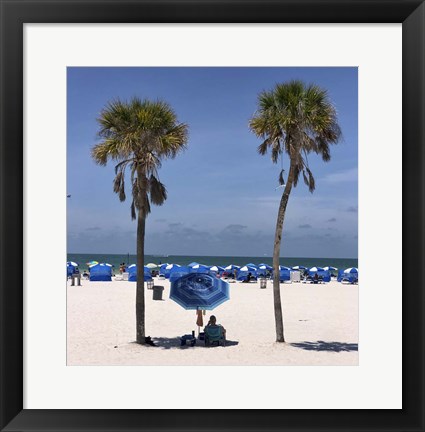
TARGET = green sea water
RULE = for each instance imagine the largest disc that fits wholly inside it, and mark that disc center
(117, 259)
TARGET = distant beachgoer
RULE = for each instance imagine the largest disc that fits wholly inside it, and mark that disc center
(122, 268)
(316, 277)
(213, 322)
(235, 273)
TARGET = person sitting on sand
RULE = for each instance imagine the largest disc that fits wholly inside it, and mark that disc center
(213, 322)
(316, 278)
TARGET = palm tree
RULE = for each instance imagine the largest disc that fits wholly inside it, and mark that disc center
(296, 119)
(137, 135)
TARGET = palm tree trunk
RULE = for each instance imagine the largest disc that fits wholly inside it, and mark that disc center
(276, 254)
(140, 284)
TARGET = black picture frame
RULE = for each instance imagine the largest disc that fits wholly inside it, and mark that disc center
(14, 13)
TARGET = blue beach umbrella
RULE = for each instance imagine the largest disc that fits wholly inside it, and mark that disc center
(167, 268)
(330, 269)
(231, 267)
(263, 269)
(248, 268)
(281, 268)
(216, 269)
(316, 269)
(299, 267)
(199, 268)
(192, 264)
(351, 270)
(199, 291)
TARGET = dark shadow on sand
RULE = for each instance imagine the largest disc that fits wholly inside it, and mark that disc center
(169, 343)
(326, 346)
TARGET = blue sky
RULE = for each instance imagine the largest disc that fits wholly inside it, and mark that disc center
(222, 196)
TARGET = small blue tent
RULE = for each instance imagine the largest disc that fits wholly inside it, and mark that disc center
(71, 267)
(132, 273)
(101, 272)
(350, 275)
(264, 269)
(166, 269)
(244, 271)
(199, 268)
(321, 272)
(178, 272)
(284, 274)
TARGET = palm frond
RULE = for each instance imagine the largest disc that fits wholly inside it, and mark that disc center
(133, 211)
(311, 181)
(119, 185)
(122, 165)
(158, 193)
(117, 181)
(281, 180)
(276, 151)
(121, 193)
(173, 140)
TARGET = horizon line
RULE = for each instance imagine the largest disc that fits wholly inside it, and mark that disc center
(231, 256)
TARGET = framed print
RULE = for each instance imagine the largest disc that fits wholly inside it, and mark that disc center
(352, 357)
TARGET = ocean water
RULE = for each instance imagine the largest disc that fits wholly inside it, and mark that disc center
(116, 260)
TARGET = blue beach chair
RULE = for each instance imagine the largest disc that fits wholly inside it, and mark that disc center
(214, 334)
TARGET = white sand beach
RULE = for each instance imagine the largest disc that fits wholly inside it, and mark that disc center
(321, 326)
